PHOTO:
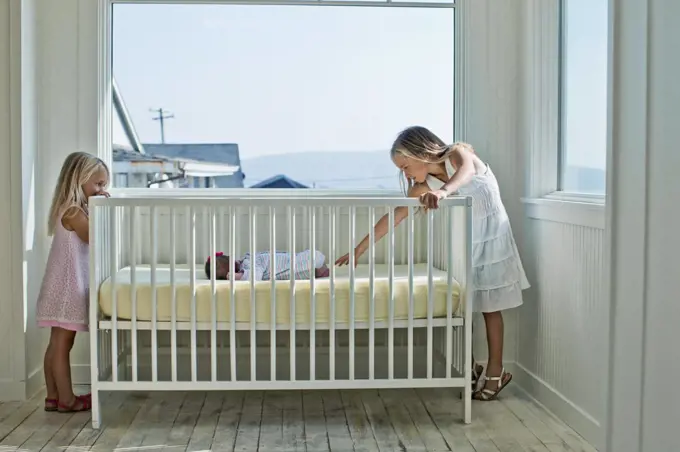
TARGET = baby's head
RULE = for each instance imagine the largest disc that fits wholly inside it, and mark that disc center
(415, 150)
(222, 269)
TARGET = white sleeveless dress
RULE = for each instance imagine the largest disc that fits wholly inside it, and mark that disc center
(498, 275)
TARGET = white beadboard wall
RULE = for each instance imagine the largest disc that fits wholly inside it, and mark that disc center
(561, 357)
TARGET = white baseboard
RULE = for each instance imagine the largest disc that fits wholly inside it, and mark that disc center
(557, 404)
(80, 375)
(35, 382)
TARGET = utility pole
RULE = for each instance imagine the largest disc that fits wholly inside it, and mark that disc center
(162, 116)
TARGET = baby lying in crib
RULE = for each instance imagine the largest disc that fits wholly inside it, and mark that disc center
(261, 266)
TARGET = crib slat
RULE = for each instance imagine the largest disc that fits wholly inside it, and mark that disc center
(331, 320)
(390, 275)
(114, 293)
(371, 294)
(221, 230)
(253, 308)
(469, 307)
(154, 294)
(173, 289)
(272, 294)
(213, 290)
(352, 277)
(192, 284)
(411, 258)
(133, 287)
(232, 291)
(312, 307)
(99, 240)
(449, 290)
(291, 245)
(430, 288)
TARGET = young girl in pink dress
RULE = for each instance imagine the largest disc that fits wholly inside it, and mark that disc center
(64, 294)
(435, 170)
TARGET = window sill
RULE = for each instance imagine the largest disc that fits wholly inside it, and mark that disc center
(580, 210)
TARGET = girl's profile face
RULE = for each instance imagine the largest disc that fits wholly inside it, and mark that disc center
(413, 169)
(97, 183)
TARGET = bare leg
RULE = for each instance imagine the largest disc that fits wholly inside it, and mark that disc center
(494, 337)
(61, 363)
(50, 383)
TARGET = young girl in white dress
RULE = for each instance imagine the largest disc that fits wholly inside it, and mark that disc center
(435, 170)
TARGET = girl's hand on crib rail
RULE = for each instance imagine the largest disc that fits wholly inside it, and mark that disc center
(344, 260)
(430, 200)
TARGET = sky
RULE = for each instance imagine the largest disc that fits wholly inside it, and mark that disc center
(285, 79)
(585, 79)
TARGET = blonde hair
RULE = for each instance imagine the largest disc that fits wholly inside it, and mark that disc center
(76, 171)
(420, 143)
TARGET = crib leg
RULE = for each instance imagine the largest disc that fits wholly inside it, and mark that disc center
(467, 365)
(96, 410)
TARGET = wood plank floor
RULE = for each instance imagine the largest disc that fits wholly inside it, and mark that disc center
(371, 420)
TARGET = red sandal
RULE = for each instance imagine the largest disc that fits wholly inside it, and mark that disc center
(80, 403)
(51, 404)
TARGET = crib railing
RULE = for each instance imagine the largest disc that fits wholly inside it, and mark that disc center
(172, 232)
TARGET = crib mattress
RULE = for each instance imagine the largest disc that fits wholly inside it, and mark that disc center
(263, 296)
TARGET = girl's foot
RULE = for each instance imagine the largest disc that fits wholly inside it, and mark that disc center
(477, 371)
(493, 386)
(79, 403)
(322, 272)
(51, 404)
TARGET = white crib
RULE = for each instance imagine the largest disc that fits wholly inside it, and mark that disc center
(397, 320)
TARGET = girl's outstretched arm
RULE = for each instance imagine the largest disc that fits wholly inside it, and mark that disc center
(382, 226)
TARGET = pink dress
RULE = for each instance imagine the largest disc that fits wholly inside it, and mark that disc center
(64, 294)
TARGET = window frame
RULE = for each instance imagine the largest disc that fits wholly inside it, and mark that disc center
(544, 198)
(105, 55)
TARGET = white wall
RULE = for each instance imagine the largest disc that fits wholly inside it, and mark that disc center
(48, 65)
(67, 108)
(489, 117)
(11, 314)
(644, 216)
(34, 239)
(557, 339)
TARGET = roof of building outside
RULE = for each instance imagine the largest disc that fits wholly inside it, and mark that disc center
(225, 153)
(279, 181)
(218, 153)
(122, 153)
(201, 152)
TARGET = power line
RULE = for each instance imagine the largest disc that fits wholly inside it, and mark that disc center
(162, 116)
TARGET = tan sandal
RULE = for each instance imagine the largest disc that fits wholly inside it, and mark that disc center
(477, 371)
(488, 395)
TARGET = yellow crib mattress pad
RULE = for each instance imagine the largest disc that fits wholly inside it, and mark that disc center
(263, 296)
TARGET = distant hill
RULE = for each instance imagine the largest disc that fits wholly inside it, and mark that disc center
(370, 169)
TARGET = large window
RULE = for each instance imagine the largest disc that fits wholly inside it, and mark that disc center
(301, 96)
(583, 137)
